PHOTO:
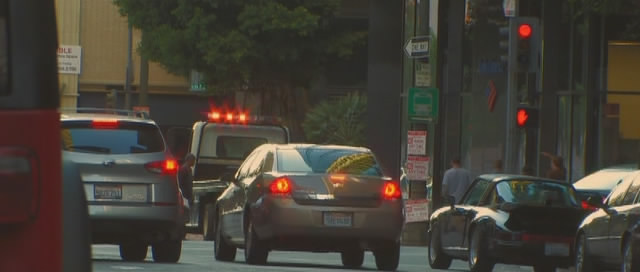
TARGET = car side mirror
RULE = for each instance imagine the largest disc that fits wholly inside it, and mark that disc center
(452, 201)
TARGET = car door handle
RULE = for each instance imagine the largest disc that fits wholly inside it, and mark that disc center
(109, 163)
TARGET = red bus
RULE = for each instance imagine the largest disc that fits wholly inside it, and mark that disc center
(31, 180)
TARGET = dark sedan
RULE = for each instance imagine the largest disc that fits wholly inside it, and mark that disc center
(311, 198)
(507, 219)
(610, 237)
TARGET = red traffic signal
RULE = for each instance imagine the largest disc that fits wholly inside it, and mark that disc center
(522, 117)
(525, 31)
(526, 117)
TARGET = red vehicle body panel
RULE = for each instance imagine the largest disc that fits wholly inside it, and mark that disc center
(35, 245)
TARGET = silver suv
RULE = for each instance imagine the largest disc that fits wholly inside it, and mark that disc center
(130, 180)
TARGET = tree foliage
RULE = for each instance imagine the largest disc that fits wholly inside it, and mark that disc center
(249, 44)
(337, 122)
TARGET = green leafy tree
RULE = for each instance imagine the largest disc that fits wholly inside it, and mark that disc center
(272, 46)
(337, 121)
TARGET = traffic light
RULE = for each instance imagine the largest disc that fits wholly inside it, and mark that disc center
(527, 117)
(526, 42)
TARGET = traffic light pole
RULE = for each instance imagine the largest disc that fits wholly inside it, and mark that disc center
(511, 150)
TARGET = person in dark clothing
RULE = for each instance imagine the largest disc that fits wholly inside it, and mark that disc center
(557, 170)
(185, 177)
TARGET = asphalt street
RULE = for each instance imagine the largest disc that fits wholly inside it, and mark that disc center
(198, 256)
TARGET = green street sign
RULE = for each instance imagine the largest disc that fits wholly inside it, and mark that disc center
(423, 104)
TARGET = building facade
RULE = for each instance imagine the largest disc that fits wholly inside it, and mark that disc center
(585, 86)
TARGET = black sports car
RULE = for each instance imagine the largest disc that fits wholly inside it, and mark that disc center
(507, 219)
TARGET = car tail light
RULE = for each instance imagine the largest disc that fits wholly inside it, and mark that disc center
(281, 186)
(105, 124)
(167, 167)
(587, 206)
(391, 190)
(242, 117)
(19, 179)
(229, 117)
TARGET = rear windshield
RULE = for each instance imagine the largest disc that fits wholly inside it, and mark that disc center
(126, 138)
(324, 160)
(602, 180)
(233, 147)
(536, 193)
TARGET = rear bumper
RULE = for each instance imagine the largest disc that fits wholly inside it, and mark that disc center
(291, 226)
(115, 223)
(528, 253)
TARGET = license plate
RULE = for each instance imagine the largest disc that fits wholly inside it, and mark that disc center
(556, 249)
(333, 219)
(110, 192)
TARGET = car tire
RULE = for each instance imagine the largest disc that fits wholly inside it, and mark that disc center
(583, 262)
(208, 232)
(478, 259)
(133, 251)
(222, 250)
(630, 264)
(388, 256)
(167, 251)
(352, 258)
(437, 258)
(255, 250)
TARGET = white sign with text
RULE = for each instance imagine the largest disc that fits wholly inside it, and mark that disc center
(69, 59)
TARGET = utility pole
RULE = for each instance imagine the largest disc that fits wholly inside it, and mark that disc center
(144, 79)
(129, 76)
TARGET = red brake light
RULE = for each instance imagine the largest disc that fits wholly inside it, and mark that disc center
(391, 191)
(587, 206)
(229, 117)
(19, 177)
(105, 124)
(280, 185)
(167, 167)
(242, 117)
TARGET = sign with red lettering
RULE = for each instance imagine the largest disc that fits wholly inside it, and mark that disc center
(417, 168)
(69, 59)
(417, 142)
(417, 210)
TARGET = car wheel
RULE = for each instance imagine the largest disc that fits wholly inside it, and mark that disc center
(583, 263)
(223, 251)
(437, 258)
(478, 259)
(133, 251)
(352, 258)
(388, 256)
(630, 264)
(208, 232)
(255, 250)
(167, 251)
